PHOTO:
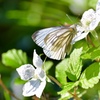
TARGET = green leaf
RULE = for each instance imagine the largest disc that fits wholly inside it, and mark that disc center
(14, 58)
(93, 54)
(87, 55)
(90, 76)
(68, 86)
(82, 43)
(74, 65)
(65, 96)
(60, 72)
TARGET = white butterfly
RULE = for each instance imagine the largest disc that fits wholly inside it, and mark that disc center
(55, 41)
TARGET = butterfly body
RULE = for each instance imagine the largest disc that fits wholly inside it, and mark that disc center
(55, 41)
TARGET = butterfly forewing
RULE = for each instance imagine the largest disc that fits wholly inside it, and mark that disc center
(55, 41)
(39, 36)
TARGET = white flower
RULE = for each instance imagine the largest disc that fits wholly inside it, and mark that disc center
(36, 77)
(91, 18)
(89, 21)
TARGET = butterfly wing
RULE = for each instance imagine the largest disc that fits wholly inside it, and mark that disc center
(39, 36)
(55, 41)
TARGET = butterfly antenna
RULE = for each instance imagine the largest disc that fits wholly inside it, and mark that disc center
(41, 54)
(69, 18)
(76, 19)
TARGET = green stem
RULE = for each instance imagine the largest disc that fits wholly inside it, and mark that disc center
(53, 79)
(75, 94)
(90, 41)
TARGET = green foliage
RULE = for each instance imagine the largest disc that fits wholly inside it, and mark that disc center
(90, 76)
(71, 68)
(74, 65)
(19, 19)
(61, 72)
(14, 58)
(93, 54)
(64, 93)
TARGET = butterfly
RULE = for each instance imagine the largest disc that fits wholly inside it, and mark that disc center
(55, 41)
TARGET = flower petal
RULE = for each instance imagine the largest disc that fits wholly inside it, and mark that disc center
(40, 89)
(88, 17)
(98, 8)
(96, 21)
(41, 74)
(37, 62)
(26, 71)
(93, 24)
(34, 87)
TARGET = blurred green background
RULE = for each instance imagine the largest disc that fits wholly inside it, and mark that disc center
(19, 19)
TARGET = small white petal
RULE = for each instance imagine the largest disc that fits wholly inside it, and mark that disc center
(26, 71)
(96, 20)
(34, 87)
(41, 74)
(98, 7)
(93, 24)
(88, 17)
(37, 61)
(40, 89)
